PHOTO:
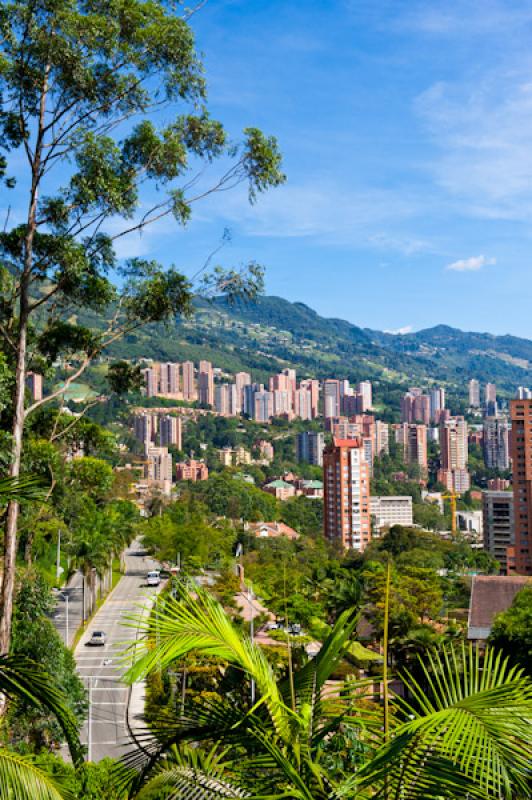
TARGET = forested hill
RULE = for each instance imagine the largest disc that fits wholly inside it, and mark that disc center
(272, 332)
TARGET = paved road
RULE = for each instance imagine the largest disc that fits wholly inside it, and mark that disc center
(99, 667)
(74, 592)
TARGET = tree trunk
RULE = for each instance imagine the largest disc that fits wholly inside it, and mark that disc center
(11, 526)
(10, 532)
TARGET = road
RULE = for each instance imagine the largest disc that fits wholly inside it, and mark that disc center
(106, 732)
(74, 592)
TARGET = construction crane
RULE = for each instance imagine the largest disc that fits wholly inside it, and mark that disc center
(452, 496)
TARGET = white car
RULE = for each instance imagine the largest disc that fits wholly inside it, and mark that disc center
(97, 639)
(153, 578)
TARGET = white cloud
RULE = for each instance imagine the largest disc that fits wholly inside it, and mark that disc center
(472, 264)
(483, 129)
(401, 331)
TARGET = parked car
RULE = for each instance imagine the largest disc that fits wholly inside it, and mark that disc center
(153, 578)
(97, 639)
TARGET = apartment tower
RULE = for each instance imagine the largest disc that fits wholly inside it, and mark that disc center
(347, 520)
(521, 449)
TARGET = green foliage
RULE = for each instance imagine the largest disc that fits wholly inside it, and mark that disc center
(92, 476)
(36, 639)
(467, 735)
(187, 530)
(228, 496)
(304, 515)
(512, 630)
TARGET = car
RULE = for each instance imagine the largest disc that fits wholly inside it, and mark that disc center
(153, 578)
(97, 639)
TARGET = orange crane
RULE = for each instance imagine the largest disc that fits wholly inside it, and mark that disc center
(452, 496)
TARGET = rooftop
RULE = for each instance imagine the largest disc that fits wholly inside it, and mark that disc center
(490, 595)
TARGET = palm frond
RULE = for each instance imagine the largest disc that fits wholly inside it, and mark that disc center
(470, 732)
(22, 779)
(22, 678)
(191, 774)
(198, 623)
(23, 488)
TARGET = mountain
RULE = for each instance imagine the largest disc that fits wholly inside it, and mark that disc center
(271, 332)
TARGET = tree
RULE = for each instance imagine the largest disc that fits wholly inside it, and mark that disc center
(81, 85)
(36, 639)
(20, 776)
(468, 735)
(512, 630)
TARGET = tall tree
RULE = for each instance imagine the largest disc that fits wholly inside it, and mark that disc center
(83, 84)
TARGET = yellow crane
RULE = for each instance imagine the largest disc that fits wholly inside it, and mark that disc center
(452, 496)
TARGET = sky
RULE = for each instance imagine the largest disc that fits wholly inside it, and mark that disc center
(406, 132)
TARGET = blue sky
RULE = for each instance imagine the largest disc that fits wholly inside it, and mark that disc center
(406, 129)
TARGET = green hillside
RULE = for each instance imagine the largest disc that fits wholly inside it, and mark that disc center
(271, 333)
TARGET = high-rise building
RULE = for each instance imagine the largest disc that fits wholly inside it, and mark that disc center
(206, 383)
(303, 403)
(474, 393)
(382, 435)
(313, 387)
(490, 393)
(226, 399)
(170, 431)
(145, 427)
(331, 398)
(413, 438)
(365, 390)
(282, 402)
(242, 379)
(495, 443)
(498, 524)
(158, 467)
(437, 403)
(415, 407)
(290, 375)
(262, 406)
(521, 449)
(454, 453)
(34, 384)
(421, 410)
(189, 382)
(347, 519)
(309, 447)
(407, 407)
(169, 382)
(523, 393)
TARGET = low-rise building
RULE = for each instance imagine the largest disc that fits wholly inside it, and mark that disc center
(192, 471)
(391, 510)
(280, 489)
(272, 530)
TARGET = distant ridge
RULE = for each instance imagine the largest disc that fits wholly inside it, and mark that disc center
(271, 332)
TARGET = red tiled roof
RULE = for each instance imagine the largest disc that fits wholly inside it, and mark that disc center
(346, 442)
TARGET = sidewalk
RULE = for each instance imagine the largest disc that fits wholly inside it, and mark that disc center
(74, 592)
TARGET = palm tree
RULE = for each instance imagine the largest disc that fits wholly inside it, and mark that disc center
(466, 736)
(20, 777)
